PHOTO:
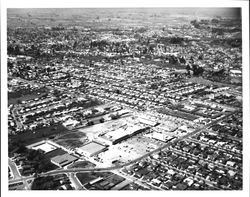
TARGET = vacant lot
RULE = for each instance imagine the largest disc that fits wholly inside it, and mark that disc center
(71, 135)
(55, 153)
(71, 143)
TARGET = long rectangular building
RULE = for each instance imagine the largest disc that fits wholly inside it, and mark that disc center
(63, 160)
(116, 136)
(90, 149)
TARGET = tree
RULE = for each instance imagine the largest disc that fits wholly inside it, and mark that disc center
(114, 116)
(118, 91)
(90, 123)
(10, 50)
(197, 70)
(43, 183)
(21, 149)
(19, 101)
(75, 44)
(154, 86)
(17, 50)
(215, 20)
(102, 120)
(57, 93)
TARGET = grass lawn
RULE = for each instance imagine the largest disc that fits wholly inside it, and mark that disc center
(71, 143)
(76, 134)
(55, 153)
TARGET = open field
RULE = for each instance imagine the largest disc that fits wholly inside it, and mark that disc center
(70, 139)
(55, 153)
(71, 143)
(71, 134)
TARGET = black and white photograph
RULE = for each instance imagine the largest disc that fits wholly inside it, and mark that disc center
(125, 98)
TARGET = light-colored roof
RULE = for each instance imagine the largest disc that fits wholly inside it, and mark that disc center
(46, 147)
(64, 159)
(92, 147)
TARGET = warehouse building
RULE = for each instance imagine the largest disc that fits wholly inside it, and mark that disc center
(90, 149)
(63, 160)
(117, 136)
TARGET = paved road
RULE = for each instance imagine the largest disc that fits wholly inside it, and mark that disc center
(75, 181)
(18, 123)
(59, 171)
(14, 170)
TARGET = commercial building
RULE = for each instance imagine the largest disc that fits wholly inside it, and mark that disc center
(114, 137)
(121, 134)
(146, 121)
(63, 160)
(161, 136)
(45, 146)
(90, 149)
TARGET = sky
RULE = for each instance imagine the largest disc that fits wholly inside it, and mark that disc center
(223, 12)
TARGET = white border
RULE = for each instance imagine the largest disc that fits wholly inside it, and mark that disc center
(124, 3)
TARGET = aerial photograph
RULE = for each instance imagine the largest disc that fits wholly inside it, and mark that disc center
(125, 98)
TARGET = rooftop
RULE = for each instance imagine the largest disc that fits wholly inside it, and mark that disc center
(92, 148)
(63, 159)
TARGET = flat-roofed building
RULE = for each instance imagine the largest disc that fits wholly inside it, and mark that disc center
(118, 135)
(113, 139)
(63, 160)
(147, 121)
(90, 149)
(236, 73)
(45, 146)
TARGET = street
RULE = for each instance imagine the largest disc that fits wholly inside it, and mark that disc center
(78, 170)
(15, 171)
